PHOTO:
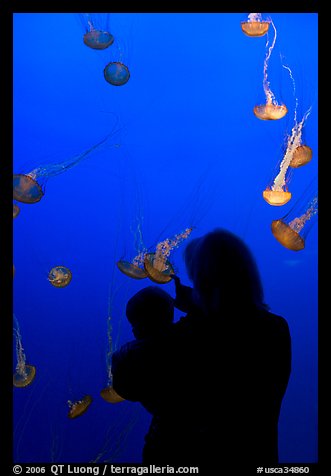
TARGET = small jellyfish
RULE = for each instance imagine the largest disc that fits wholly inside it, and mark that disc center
(96, 31)
(110, 396)
(297, 154)
(271, 110)
(60, 276)
(16, 210)
(157, 265)
(277, 193)
(292, 230)
(26, 189)
(30, 187)
(79, 407)
(116, 73)
(255, 26)
(301, 156)
(158, 269)
(133, 269)
(24, 373)
(108, 393)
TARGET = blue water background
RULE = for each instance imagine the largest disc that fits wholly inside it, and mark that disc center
(187, 150)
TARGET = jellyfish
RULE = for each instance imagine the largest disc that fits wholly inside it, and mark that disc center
(79, 407)
(116, 73)
(255, 26)
(108, 393)
(135, 267)
(271, 110)
(16, 210)
(301, 154)
(96, 31)
(30, 187)
(157, 265)
(292, 230)
(295, 156)
(24, 373)
(59, 276)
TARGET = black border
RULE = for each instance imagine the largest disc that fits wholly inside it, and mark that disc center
(7, 9)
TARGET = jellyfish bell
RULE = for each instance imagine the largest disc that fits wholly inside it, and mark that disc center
(131, 270)
(287, 236)
(255, 26)
(96, 30)
(60, 276)
(98, 39)
(24, 375)
(276, 197)
(110, 395)
(16, 210)
(26, 189)
(301, 156)
(270, 112)
(116, 73)
(158, 270)
(292, 229)
(157, 265)
(80, 407)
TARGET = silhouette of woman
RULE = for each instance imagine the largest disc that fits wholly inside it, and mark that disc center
(218, 378)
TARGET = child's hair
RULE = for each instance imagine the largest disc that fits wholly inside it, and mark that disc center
(149, 311)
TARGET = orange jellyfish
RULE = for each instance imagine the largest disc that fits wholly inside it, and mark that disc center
(30, 187)
(135, 268)
(16, 210)
(116, 73)
(295, 156)
(96, 31)
(301, 156)
(60, 276)
(271, 110)
(291, 231)
(255, 26)
(157, 265)
(24, 373)
(277, 194)
(79, 407)
(108, 393)
(301, 153)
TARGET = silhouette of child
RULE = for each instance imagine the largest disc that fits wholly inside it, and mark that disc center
(150, 312)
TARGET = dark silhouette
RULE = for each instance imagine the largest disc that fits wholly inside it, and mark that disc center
(215, 382)
(151, 313)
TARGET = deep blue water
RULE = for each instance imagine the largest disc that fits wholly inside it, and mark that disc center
(187, 150)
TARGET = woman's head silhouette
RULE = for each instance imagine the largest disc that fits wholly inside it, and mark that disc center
(224, 272)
